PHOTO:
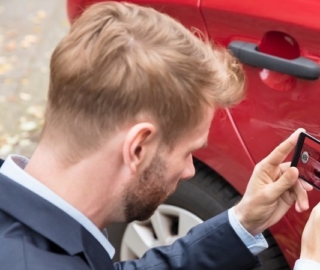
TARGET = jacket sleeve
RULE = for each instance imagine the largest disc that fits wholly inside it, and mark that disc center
(211, 245)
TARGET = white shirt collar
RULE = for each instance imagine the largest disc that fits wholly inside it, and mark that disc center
(13, 168)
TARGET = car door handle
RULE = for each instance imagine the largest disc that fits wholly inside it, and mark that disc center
(300, 67)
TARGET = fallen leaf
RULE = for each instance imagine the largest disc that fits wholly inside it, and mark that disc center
(5, 149)
(5, 67)
(24, 81)
(25, 44)
(24, 142)
(28, 40)
(2, 140)
(24, 96)
(36, 111)
(11, 33)
(31, 38)
(36, 29)
(28, 126)
(11, 46)
(12, 140)
(41, 14)
(12, 98)
(23, 119)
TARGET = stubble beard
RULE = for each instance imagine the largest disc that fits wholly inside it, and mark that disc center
(147, 192)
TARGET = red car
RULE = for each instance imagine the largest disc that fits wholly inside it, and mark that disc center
(279, 44)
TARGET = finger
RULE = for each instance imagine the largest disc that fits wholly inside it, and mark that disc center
(279, 154)
(301, 195)
(284, 166)
(285, 182)
(306, 185)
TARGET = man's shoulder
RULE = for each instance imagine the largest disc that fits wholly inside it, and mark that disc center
(18, 254)
(21, 248)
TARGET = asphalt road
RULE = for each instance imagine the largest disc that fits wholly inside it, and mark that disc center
(29, 31)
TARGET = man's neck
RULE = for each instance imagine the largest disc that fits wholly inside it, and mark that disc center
(86, 185)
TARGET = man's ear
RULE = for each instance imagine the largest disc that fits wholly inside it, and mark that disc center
(140, 145)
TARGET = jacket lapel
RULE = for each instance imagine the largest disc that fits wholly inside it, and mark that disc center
(95, 254)
(39, 214)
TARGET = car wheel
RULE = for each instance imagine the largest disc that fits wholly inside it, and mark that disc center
(202, 197)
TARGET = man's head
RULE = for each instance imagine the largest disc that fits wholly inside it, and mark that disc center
(121, 62)
(132, 76)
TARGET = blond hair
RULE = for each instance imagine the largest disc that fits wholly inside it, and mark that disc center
(120, 60)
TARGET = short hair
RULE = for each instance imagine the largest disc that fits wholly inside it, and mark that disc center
(121, 60)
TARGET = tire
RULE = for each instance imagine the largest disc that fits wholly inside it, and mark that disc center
(206, 195)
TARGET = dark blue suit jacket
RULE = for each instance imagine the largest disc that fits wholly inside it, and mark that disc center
(36, 235)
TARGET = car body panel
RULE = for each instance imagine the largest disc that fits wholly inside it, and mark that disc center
(226, 150)
(276, 104)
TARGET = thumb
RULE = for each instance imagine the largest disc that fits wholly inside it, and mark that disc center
(285, 182)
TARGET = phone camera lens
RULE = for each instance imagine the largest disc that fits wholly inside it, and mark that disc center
(304, 157)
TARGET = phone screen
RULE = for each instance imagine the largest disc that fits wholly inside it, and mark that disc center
(307, 159)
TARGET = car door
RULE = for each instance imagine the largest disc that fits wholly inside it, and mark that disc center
(279, 44)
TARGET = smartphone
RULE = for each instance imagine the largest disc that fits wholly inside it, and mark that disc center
(306, 158)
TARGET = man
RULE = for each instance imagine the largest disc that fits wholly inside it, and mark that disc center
(132, 95)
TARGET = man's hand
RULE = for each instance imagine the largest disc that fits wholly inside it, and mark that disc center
(310, 243)
(273, 188)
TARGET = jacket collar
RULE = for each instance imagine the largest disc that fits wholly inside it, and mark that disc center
(40, 215)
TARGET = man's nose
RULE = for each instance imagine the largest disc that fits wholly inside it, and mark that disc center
(189, 170)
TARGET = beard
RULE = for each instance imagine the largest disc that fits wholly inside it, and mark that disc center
(147, 192)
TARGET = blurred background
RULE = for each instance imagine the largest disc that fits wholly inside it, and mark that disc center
(29, 32)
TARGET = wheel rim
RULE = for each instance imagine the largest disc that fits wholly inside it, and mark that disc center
(167, 224)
